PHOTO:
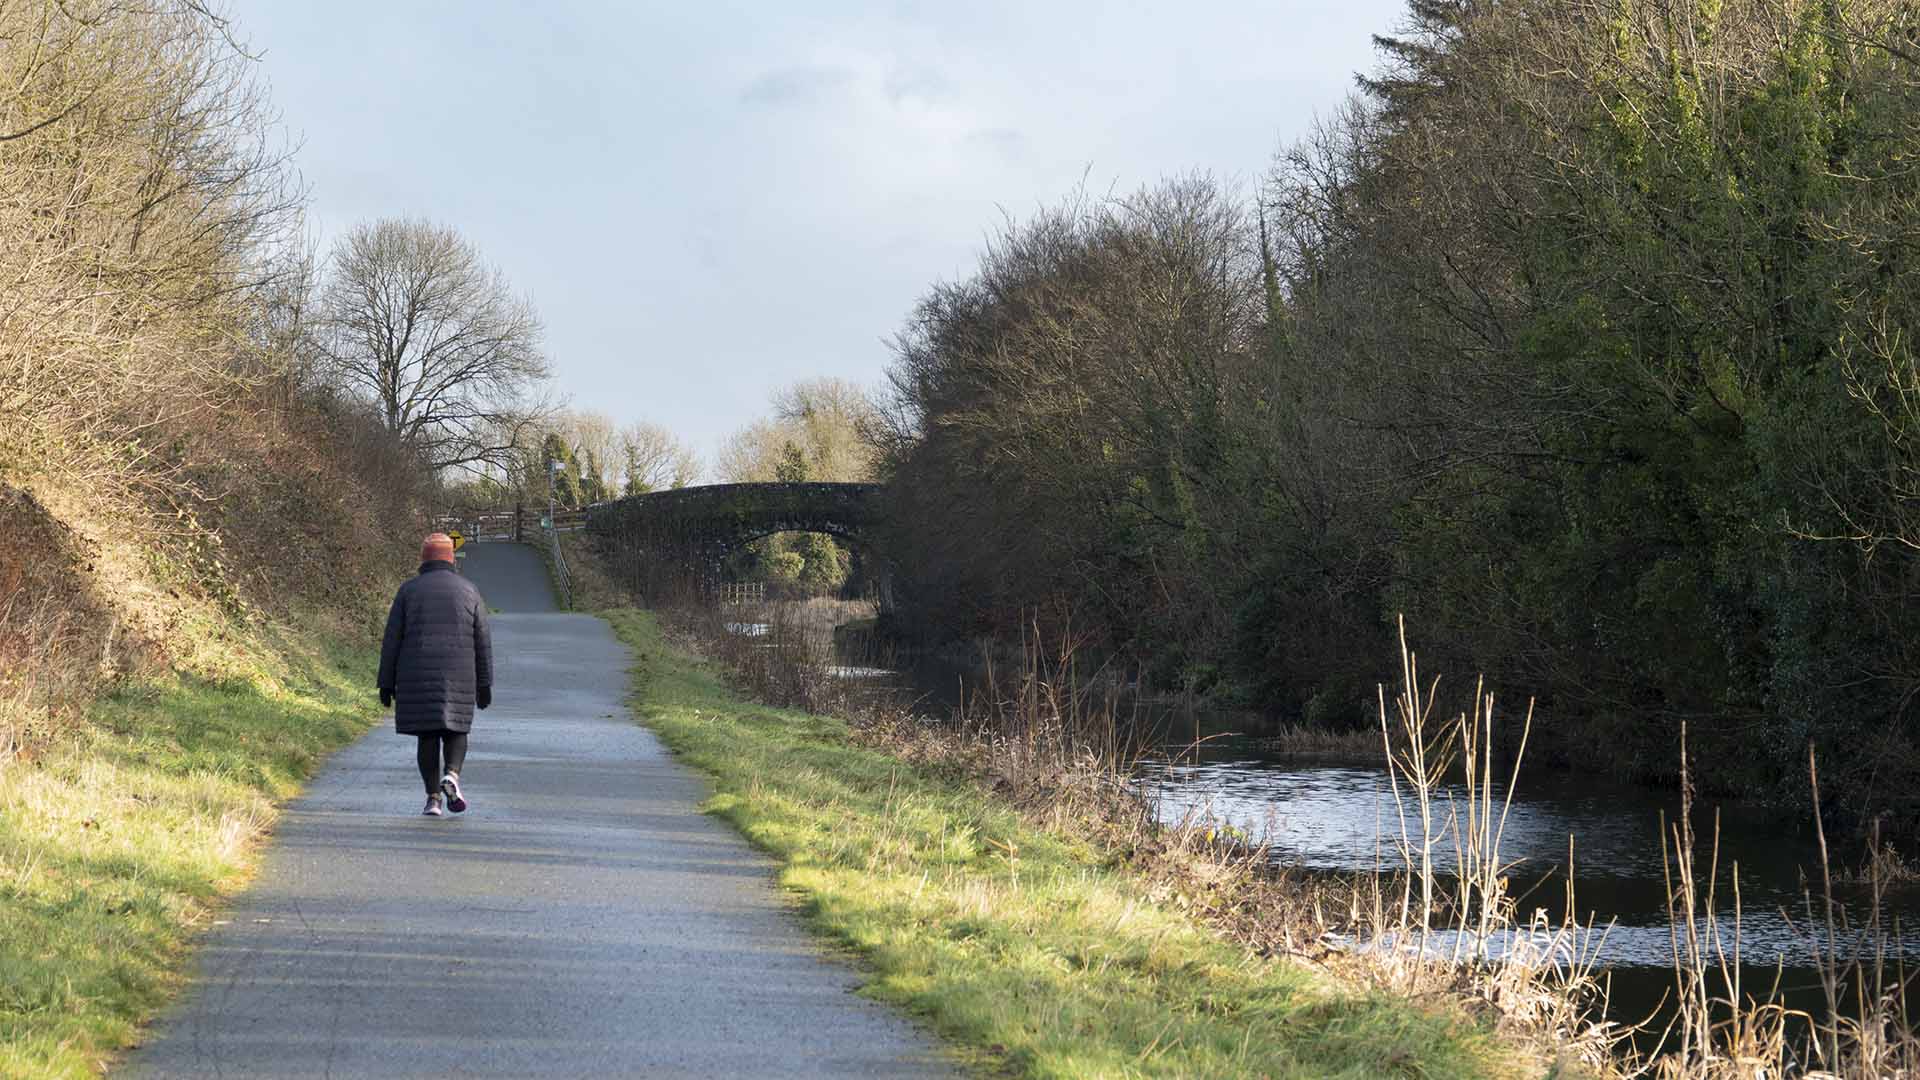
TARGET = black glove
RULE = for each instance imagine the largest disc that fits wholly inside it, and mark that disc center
(483, 697)
(386, 697)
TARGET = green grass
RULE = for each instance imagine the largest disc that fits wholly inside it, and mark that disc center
(1038, 954)
(114, 844)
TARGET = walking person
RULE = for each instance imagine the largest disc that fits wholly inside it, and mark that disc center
(436, 667)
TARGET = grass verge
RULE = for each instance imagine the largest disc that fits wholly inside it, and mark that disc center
(114, 843)
(1034, 949)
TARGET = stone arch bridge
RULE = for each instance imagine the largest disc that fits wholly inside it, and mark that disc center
(692, 529)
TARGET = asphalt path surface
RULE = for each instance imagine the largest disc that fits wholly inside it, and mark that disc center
(581, 920)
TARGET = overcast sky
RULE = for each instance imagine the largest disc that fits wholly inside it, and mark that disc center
(707, 201)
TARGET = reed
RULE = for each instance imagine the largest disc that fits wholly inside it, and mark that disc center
(1718, 1026)
(1360, 746)
(1721, 1028)
(1451, 792)
(1866, 1030)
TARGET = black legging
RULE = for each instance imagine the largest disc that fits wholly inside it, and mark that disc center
(431, 768)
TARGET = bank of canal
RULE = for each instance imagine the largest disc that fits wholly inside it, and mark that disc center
(1340, 817)
(1033, 947)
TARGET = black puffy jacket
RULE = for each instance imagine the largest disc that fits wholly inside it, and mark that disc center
(437, 653)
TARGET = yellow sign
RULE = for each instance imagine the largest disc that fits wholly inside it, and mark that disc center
(459, 538)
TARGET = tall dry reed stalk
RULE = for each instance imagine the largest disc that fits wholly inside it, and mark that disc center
(1418, 763)
(1717, 1029)
(1721, 1028)
(1450, 791)
(1872, 1034)
(1481, 875)
(783, 653)
(1055, 713)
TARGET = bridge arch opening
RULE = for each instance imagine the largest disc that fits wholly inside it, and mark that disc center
(702, 536)
(802, 564)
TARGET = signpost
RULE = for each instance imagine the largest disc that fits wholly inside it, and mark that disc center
(459, 538)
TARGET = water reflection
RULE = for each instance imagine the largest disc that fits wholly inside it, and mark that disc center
(1344, 818)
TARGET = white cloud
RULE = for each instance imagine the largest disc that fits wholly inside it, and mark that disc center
(710, 200)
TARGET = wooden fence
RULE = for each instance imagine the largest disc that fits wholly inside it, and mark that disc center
(522, 524)
(742, 592)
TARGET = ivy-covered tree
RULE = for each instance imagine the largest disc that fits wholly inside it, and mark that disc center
(564, 472)
(1583, 337)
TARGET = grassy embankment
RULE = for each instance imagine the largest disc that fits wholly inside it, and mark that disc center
(118, 840)
(1032, 948)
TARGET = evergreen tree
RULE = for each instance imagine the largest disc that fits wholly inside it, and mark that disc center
(792, 466)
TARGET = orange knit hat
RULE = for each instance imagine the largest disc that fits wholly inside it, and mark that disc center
(438, 548)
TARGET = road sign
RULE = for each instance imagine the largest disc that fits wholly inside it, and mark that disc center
(459, 538)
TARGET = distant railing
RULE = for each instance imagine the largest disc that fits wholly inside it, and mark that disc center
(561, 579)
(513, 525)
(519, 525)
(743, 592)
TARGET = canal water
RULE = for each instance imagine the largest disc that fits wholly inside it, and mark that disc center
(1341, 818)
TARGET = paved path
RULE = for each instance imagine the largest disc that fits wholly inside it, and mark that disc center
(582, 920)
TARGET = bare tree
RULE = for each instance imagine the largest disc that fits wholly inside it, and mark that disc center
(417, 320)
(749, 455)
(144, 185)
(824, 420)
(653, 459)
(832, 416)
(597, 446)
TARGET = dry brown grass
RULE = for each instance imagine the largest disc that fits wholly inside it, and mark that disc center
(58, 642)
(1300, 740)
(814, 616)
(35, 696)
(104, 579)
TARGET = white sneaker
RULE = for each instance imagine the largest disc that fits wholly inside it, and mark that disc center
(433, 807)
(450, 787)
